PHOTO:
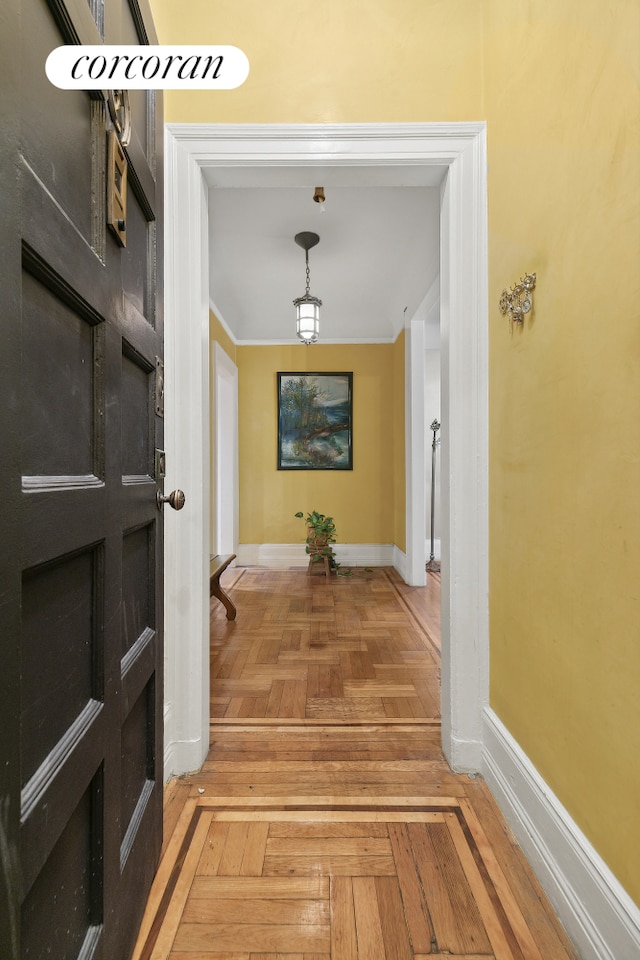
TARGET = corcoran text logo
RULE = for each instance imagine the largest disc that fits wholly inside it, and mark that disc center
(105, 67)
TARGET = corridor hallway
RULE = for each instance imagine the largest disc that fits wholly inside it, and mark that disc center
(325, 823)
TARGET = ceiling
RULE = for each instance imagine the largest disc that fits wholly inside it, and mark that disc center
(376, 262)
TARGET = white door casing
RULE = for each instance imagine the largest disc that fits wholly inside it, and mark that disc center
(224, 439)
(415, 453)
(461, 149)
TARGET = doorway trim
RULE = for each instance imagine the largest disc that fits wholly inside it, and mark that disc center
(461, 149)
(224, 451)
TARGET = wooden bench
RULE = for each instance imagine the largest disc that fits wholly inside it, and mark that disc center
(217, 565)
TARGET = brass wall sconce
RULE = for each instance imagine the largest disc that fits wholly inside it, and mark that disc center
(519, 300)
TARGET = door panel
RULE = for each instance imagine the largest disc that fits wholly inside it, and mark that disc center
(81, 597)
(53, 120)
(68, 885)
(59, 601)
(60, 385)
(137, 385)
(137, 594)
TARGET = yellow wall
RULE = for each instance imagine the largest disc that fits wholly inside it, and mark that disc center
(557, 84)
(361, 500)
(563, 110)
(337, 61)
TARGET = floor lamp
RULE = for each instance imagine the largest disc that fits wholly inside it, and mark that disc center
(433, 565)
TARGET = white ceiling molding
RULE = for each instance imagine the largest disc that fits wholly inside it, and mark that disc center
(223, 323)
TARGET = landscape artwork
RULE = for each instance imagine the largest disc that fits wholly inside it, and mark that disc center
(314, 421)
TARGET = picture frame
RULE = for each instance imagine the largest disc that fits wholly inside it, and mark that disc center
(315, 421)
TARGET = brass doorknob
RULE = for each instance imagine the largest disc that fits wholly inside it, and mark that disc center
(175, 499)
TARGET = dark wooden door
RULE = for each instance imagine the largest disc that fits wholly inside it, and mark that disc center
(81, 578)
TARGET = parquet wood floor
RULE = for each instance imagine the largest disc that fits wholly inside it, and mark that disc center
(325, 823)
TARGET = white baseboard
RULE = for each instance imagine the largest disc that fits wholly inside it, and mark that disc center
(184, 756)
(597, 913)
(273, 555)
(400, 563)
(167, 717)
(180, 756)
(279, 555)
(463, 756)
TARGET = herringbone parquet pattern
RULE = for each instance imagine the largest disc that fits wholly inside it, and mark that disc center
(350, 651)
(325, 823)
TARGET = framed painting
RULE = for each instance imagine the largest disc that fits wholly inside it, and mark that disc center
(315, 414)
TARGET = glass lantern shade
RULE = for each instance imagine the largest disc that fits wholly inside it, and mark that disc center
(308, 318)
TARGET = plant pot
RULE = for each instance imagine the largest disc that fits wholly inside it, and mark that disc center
(317, 544)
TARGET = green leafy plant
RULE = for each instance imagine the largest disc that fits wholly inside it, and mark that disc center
(321, 533)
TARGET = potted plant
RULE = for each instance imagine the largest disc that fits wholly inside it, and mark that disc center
(321, 533)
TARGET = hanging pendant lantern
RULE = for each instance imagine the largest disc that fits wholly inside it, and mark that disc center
(307, 307)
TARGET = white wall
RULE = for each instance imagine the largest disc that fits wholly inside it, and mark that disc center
(432, 412)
